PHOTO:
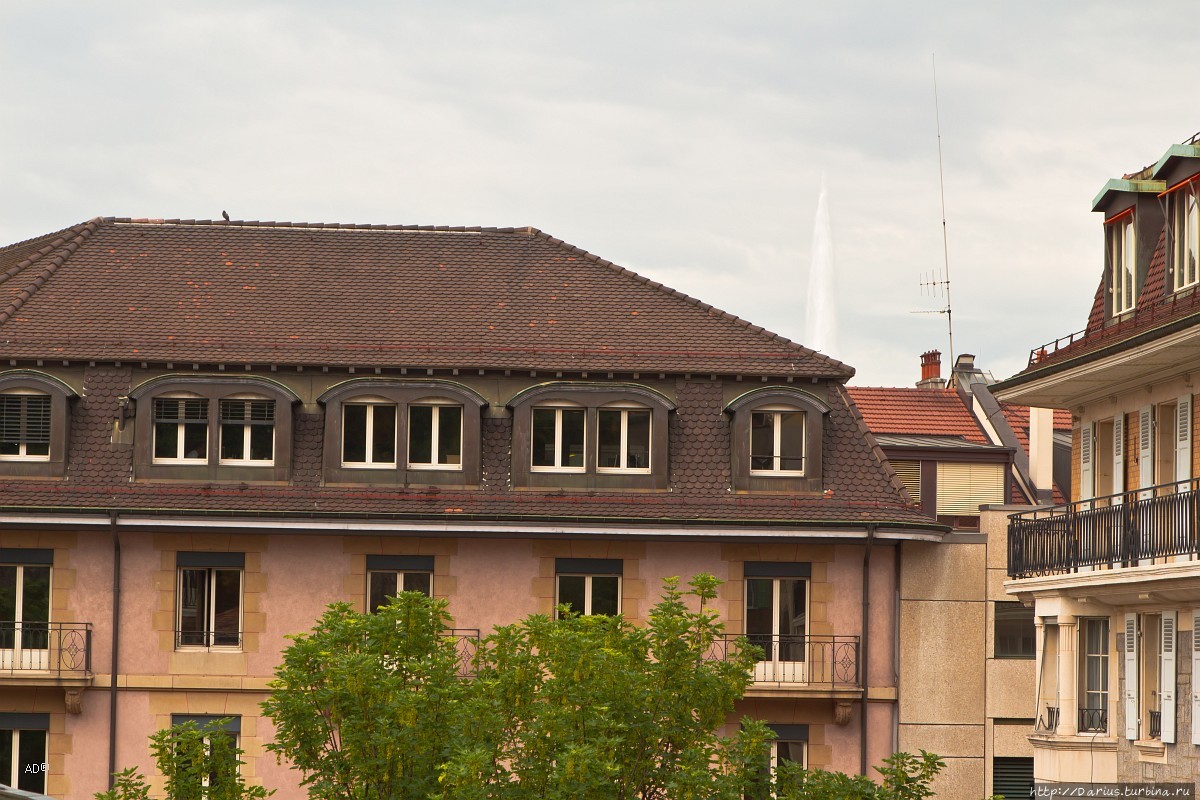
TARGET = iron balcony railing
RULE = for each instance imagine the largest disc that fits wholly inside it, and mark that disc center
(57, 648)
(1050, 723)
(1155, 724)
(826, 661)
(1093, 720)
(466, 644)
(1120, 530)
(208, 640)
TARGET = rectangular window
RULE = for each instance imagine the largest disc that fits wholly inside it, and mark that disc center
(435, 437)
(558, 438)
(1150, 672)
(777, 623)
(777, 442)
(1014, 631)
(25, 427)
(368, 435)
(23, 753)
(180, 429)
(247, 431)
(623, 440)
(221, 743)
(25, 613)
(1122, 265)
(789, 746)
(1093, 676)
(589, 585)
(387, 575)
(1184, 215)
(209, 605)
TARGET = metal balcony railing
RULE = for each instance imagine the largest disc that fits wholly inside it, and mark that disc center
(1120, 530)
(208, 640)
(466, 643)
(827, 661)
(1093, 720)
(57, 648)
(1050, 723)
(1155, 724)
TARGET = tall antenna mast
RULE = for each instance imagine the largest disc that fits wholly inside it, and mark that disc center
(942, 189)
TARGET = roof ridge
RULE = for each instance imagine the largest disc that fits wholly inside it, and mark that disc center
(876, 450)
(53, 262)
(343, 226)
(54, 239)
(807, 351)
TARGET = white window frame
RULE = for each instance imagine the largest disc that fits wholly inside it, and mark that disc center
(437, 406)
(371, 403)
(587, 589)
(777, 454)
(14, 779)
(246, 426)
(400, 575)
(22, 453)
(1122, 278)
(19, 656)
(775, 754)
(1104, 660)
(180, 426)
(1184, 217)
(623, 444)
(210, 612)
(558, 436)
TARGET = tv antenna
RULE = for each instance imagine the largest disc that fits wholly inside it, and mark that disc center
(937, 284)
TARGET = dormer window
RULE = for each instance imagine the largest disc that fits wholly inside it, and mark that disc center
(777, 441)
(623, 439)
(34, 420)
(24, 426)
(398, 432)
(1183, 215)
(1122, 264)
(213, 428)
(776, 436)
(558, 439)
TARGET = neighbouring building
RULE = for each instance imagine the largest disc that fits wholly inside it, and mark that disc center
(967, 648)
(1114, 577)
(210, 430)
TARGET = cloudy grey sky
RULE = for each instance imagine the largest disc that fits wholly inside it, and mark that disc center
(684, 140)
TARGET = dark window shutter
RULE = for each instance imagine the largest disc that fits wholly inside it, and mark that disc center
(1012, 777)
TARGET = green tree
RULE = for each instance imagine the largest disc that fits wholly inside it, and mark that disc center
(905, 777)
(369, 705)
(594, 707)
(198, 763)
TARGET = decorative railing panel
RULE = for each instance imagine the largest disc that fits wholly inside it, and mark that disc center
(1120, 530)
(61, 649)
(826, 661)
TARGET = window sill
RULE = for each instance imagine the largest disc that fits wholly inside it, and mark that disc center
(1150, 750)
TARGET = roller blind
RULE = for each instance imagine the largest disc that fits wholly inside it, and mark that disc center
(909, 473)
(963, 488)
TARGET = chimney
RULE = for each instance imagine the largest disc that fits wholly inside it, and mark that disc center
(931, 371)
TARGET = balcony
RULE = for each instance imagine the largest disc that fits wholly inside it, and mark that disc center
(1123, 530)
(793, 665)
(46, 653)
(1093, 720)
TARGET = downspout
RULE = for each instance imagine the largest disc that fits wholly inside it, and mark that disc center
(116, 642)
(896, 562)
(866, 615)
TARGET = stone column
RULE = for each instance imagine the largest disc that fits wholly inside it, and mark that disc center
(1068, 669)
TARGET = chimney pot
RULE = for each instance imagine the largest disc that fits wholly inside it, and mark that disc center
(931, 370)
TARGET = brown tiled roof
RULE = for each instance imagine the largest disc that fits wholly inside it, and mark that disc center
(902, 410)
(363, 295)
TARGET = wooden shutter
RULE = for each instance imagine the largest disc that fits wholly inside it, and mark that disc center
(1087, 443)
(1131, 678)
(1183, 438)
(909, 473)
(1166, 691)
(1195, 680)
(1118, 449)
(1146, 450)
(963, 488)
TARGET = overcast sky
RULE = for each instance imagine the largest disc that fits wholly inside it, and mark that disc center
(683, 140)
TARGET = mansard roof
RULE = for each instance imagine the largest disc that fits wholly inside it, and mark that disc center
(363, 295)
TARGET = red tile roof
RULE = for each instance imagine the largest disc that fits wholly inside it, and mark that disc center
(929, 412)
(358, 295)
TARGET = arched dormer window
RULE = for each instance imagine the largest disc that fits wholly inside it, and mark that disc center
(402, 432)
(213, 428)
(590, 436)
(776, 439)
(34, 424)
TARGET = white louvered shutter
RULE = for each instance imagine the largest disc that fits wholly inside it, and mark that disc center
(909, 473)
(1131, 677)
(1195, 672)
(1167, 678)
(1183, 439)
(1118, 449)
(963, 487)
(1145, 450)
(1087, 443)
